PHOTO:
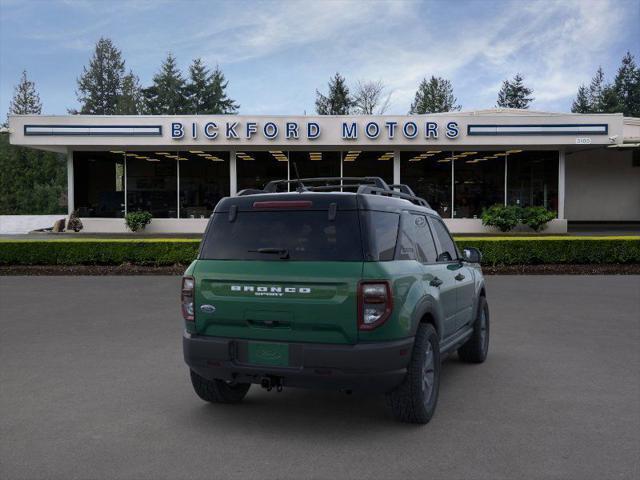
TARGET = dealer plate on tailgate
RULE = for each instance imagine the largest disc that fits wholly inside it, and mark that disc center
(272, 354)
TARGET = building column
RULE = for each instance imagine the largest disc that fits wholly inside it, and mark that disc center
(506, 173)
(177, 188)
(561, 182)
(70, 183)
(233, 177)
(396, 166)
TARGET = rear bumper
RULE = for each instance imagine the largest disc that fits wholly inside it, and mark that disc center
(379, 366)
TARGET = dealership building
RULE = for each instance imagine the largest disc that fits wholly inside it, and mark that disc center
(586, 168)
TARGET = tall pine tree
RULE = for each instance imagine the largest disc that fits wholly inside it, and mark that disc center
(338, 100)
(219, 102)
(100, 85)
(31, 181)
(25, 99)
(582, 103)
(206, 92)
(167, 95)
(597, 89)
(514, 94)
(130, 101)
(196, 88)
(627, 86)
(433, 96)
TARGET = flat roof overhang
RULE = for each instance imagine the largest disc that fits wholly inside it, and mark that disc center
(488, 130)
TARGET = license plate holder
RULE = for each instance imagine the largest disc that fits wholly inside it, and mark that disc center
(268, 354)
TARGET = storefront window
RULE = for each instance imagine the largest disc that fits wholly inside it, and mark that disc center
(204, 180)
(428, 173)
(315, 164)
(256, 169)
(152, 183)
(478, 182)
(532, 178)
(99, 184)
(358, 163)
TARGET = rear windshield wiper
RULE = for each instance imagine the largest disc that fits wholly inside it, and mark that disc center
(283, 252)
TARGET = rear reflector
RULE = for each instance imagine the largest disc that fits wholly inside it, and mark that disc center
(283, 204)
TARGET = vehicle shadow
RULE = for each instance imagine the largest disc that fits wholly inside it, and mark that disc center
(294, 411)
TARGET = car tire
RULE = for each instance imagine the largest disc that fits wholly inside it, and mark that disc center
(415, 400)
(218, 391)
(475, 349)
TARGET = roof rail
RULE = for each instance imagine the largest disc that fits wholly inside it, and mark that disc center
(337, 182)
(366, 189)
(403, 187)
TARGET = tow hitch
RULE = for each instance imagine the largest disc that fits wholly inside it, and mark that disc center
(270, 382)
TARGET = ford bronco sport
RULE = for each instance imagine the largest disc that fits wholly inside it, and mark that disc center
(344, 283)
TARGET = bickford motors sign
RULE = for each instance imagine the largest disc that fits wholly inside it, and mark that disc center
(294, 130)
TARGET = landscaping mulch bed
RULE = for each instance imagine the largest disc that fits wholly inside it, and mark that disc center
(128, 269)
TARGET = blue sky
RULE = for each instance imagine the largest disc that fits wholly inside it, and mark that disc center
(276, 53)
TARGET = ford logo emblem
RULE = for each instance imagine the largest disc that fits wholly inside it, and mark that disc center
(208, 308)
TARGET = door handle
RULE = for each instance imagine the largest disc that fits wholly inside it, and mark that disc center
(459, 277)
(436, 282)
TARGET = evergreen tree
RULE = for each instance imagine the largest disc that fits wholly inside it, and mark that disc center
(206, 91)
(167, 95)
(218, 101)
(338, 101)
(514, 94)
(130, 101)
(100, 85)
(196, 89)
(596, 91)
(433, 96)
(31, 181)
(627, 86)
(581, 104)
(25, 99)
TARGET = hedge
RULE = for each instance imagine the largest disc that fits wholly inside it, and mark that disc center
(98, 252)
(567, 250)
(495, 250)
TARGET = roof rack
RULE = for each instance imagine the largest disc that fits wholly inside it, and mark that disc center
(303, 183)
(363, 185)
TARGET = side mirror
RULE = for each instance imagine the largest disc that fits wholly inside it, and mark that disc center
(471, 255)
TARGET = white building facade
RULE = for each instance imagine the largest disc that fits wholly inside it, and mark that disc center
(583, 167)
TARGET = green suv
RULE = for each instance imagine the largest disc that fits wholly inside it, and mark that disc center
(344, 283)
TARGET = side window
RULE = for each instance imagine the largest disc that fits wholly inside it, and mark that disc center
(424, 241)
(406, 250)
(448, 250)
(382, 234)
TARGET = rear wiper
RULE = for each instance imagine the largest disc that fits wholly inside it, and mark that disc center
(283, 252)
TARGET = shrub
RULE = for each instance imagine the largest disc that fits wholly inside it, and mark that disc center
(537, 217)
(75, 223)
(504, 218)
(137, 220)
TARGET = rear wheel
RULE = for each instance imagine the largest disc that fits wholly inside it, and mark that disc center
(476, 348)
(218, 391)
(414, 401)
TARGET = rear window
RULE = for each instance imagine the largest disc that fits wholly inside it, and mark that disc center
(304, 235)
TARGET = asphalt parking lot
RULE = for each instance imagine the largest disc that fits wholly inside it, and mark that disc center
(92, 385)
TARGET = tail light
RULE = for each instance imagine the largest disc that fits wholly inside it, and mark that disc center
(188, 289)
(375, 303)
